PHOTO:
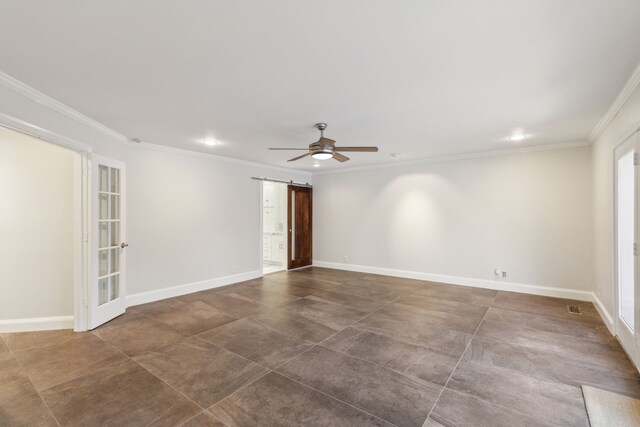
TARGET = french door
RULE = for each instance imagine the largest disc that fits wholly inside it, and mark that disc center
(300, 226)
(108, 247)
(627, 295)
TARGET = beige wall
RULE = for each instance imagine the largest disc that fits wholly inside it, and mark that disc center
(528, 214)
(36, 228)
(625, 122)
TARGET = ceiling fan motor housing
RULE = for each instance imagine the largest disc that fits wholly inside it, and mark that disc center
(317, 148)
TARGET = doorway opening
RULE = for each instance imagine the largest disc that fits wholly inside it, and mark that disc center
(274, 227)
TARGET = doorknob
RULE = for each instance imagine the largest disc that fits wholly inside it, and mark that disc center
(124, 245)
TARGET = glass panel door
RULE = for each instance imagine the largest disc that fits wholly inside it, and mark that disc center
(107, 299)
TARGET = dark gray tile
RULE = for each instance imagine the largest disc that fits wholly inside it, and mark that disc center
(547, 400)
(355, 302)
(466, 294)
(332, 315)
(256, 342)
(456, 410)
(194, 318)
(120, 394)
(565, 326)
(201, 371)
(19, 401)
(568, 369)
(232, 305)
(277, 401)
(416, 330)
(463, 322)
(604, 353)
(203, 419)
(445, 305)
(262, 295)
(295, 325)
(547, 306)
(138, 335)
(23, 340)
(156, 308)
(374, 389)
(57, 363)
(26, 410)
(413, 360)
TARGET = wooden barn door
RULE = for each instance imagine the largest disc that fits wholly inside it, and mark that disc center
(300, 230)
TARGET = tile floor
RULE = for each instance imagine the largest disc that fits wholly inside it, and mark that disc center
(319, 347)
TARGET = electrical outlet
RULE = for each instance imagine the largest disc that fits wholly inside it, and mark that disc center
(497, 272)
(504, 274)
(346, 258)
(235, 268)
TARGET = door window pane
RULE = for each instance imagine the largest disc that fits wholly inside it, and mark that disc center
(104, 178)
(102, 262)
(115, 207)
(103, 233)
(115, 180)
(103, 206)
(115, 260)
(115, 233)
(115, 286)
(103, 290)
(626, 233)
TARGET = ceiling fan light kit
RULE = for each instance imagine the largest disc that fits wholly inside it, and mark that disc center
(325, 148)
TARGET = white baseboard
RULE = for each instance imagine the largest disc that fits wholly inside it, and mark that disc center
(36, 324)
(606, 317)
(574, 294)
(175, 291)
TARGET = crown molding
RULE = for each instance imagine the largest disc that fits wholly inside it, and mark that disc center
(21, 126)
(626, 92)
(42, 99)
(464, 156)
(190, 153)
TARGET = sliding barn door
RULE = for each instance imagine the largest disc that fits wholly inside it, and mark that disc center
(300, 232)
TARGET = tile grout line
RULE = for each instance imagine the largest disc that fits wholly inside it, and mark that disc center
(334, 398)
(138, 364)
(13, 355)
(459, 360)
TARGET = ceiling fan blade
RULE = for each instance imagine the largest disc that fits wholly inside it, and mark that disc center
(298, 158)
(288, 148)
(339, 157)
(326, 141)
(368, 149)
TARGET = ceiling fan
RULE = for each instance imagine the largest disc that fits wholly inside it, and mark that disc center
(325, 148)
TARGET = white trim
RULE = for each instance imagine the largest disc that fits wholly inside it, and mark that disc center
(549, 291)
(626, 92)
(39, 97)
(38, 132)
(604, 313)
(174, 291)
(463, 156)
(183, 152)
(36, 324)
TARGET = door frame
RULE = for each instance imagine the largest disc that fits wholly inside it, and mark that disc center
(290, 245)
(634, 352)
(81, 164)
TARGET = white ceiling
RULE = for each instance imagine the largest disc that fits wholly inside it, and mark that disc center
(419, 77)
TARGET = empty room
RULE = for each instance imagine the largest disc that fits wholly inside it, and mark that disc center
(301, 213)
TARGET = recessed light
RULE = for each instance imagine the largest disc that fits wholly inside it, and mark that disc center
(316, 165)
(518, 137)
(210, 141)
(394, 155)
